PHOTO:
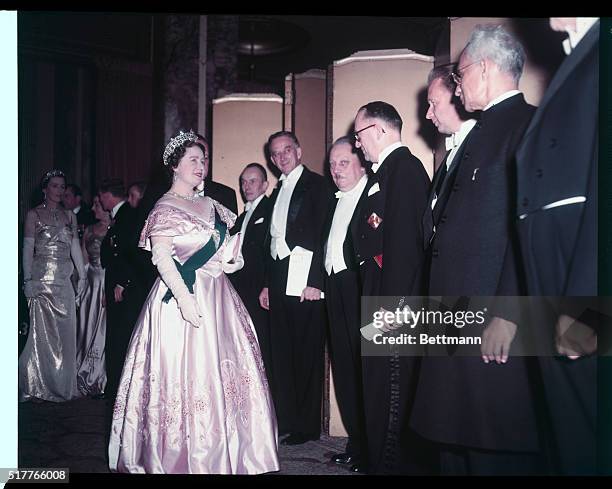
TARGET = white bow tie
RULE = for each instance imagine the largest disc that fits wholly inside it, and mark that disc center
(451, 142)
(248, 206)
(340, 194)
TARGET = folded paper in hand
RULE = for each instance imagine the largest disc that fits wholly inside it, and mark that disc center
(299, 267)
(369, 331)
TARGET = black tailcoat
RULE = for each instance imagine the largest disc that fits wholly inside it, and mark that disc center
(460, 400)
(390, 234)
(557, 161)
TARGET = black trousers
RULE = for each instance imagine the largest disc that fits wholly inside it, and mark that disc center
(120, 320)
(389, 385)
(465, 461)
(297, 340)
(343, 310)
(570, 396)
(604, 405)
(389, 391)
(568, 401)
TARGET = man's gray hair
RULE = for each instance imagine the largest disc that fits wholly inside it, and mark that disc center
(344, 140)
(494, 43)
(349, 140)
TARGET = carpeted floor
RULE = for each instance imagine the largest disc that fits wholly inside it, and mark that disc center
(72, 435)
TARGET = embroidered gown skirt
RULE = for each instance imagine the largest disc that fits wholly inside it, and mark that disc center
(193, 400)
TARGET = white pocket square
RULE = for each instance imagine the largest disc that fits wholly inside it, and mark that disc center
(259, 221)
(373, 189)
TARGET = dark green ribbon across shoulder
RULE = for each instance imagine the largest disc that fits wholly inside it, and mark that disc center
(199, 258)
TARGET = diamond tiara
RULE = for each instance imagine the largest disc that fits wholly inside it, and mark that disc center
(54, 173)
(49, 175)
(177, 141)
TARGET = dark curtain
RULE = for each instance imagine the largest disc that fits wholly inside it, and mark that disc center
(123, 121)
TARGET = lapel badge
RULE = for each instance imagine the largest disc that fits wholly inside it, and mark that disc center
(374, 220)
(474, 174)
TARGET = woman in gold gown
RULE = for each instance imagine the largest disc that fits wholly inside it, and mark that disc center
(51, 251)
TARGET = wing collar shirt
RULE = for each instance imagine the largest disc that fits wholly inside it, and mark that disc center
(278, 227)
(384, 153)
(347, 202)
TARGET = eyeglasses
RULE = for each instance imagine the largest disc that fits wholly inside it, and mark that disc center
(457, 77)
(356, 133)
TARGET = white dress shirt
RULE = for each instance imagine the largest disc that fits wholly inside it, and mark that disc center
(278, 227)
(249, 207)
(384, 153)
(454, 142)
(116, 209)
(334, 255)
(583, 24)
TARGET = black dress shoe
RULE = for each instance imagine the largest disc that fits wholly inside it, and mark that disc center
(343, 458)
(358, 469)
(298, 439)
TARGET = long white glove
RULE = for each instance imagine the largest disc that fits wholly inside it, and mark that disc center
(232, 257)
(30, 288)
(162, 259)
(231, 267)
(79, 264)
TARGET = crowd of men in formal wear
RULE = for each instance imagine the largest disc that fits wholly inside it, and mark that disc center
(485, 226)
(510, 212)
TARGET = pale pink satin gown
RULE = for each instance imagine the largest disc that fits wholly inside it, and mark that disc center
(193, 400)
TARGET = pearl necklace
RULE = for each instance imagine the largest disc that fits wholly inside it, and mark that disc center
(190, 198)
(53, 212)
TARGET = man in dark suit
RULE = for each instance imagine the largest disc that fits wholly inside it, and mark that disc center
(73, 201)
(343, 289)
(297, 315)
(221, 193)
(124, 286)
(253, 224)
(445, 112)
(557, 225)
(390, 253)
(481, 415)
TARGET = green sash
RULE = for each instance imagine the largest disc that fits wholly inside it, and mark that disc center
(199, 258)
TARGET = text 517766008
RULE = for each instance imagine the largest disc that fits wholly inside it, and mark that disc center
(28, 475)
